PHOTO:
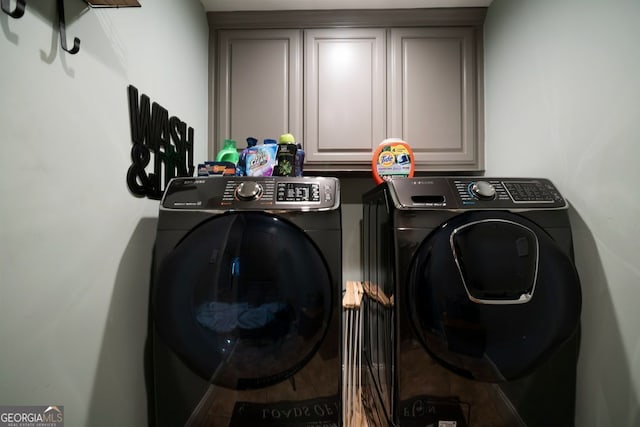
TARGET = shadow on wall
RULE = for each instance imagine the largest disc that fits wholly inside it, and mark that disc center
(119, 395)
(603, 369)
(7, 23)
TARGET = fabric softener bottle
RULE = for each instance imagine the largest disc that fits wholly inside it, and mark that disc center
(286, 157)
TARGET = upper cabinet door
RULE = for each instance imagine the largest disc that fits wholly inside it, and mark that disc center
(345, 97)
(259, 84)
(434, 102)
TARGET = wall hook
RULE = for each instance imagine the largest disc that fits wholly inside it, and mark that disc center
(63, 32)
(17, 12)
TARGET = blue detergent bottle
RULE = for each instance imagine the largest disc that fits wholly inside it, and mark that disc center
(242, 162)
(299, 160)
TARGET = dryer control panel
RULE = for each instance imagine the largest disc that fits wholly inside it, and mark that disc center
(252, 193)
(475, 193)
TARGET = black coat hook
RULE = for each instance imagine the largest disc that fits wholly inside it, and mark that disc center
(17, 12)
(63, 32)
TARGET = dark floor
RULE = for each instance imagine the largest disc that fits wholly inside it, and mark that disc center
(483, 403)
(217, 406)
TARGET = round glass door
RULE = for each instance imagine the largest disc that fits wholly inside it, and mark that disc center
(492, 296)
(244, 300)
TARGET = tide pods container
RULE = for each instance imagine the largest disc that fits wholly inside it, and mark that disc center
(393, 158)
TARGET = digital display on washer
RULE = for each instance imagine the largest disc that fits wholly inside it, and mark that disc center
(297, 192)
(526, 191)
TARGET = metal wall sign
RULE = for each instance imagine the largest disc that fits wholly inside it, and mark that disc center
(161, 142)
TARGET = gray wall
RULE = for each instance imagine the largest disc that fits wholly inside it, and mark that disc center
(75, 244)
(562, 98)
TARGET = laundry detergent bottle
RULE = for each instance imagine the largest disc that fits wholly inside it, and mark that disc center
(242, 162)
(229, 152)
(393, 158)
(299, 160)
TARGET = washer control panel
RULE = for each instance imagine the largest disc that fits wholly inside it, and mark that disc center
(476, 193)
(253, 193)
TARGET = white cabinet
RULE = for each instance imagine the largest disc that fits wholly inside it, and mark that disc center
(259, 84)
(341, 83)
(344, 93)
(425, 93)
(434, 104)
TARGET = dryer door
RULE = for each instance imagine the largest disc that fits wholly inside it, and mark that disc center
(244, 300)
(492, 296)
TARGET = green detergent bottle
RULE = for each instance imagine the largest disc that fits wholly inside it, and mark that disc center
(229, 152)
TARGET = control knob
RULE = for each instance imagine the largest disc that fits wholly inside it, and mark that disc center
(483, 190)
(248, 190)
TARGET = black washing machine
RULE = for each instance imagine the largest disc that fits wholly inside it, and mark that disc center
(245, 303)
(472, 303)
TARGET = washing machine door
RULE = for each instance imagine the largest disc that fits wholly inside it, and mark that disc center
(492, 296)
(244, 300)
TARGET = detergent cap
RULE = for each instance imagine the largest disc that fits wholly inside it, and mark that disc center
(286, 138)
